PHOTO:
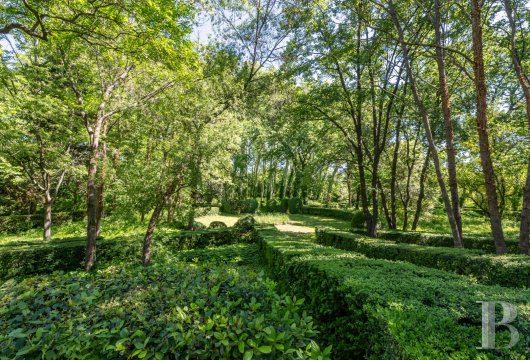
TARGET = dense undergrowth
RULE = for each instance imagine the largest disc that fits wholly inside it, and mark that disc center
(196, 310)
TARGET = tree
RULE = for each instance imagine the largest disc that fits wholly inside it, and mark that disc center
(482, 127)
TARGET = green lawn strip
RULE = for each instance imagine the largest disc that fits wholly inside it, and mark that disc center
(384, 309)
(508, 270)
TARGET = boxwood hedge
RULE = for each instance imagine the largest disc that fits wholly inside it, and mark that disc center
(68, 254)
(508, 270)
(380, 309)
(441, 240)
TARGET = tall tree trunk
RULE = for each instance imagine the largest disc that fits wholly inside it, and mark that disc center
(153, 221)
(47, 202)
(448, 121)
(101, 180)
(393, 176)
(482, 127)
(426, 125)
(421, 194)
(524, 233)
(285, 179)
(349, 186)
(384, 205)
(92, 199)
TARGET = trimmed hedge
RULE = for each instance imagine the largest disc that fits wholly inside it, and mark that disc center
(379, 309)
(440, 240)
(69, 254)
(204, 238)
(294, 206)
(355, 217)
(341, 214)
(17, 223)
(511, 270)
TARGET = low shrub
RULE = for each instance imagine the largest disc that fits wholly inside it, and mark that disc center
(272, 206)
(440, 240)
(217, 225)
(295, 206)
(358, 220)
(355, 216)
(284, 205)
(155, 312)
(245, 223)
(380, 309)
(62, 255)
(510, 270)
(68, 254)
(249, 206)
(203, 238)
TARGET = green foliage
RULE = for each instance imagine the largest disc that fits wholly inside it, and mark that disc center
(341, 214)
(196, 311)
(358, 219)
(239, 206)
(380, 309)
(217, 225)
(245, 223)
(19, 223)
(508, 270)
(485, 244)
(204, 238)
(68, 254)
(295, 206)
(272, 206)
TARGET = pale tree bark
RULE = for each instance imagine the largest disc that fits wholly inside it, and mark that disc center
(421, 194)
(426, 124)
(448, 120)
(47, 202)
(482, 127)
(524, 233)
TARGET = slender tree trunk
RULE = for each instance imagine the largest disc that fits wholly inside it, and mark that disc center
(101, 181)
(349, 186)
(393, 176)
(285, 179)
(482, 128)
(47, 216)
(92, 199)
(426, 124)
(448, 121)
(384, 205)
(421, 194)
(153, 221)
(524, 233)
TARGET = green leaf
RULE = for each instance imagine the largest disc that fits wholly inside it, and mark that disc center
(265, 349)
